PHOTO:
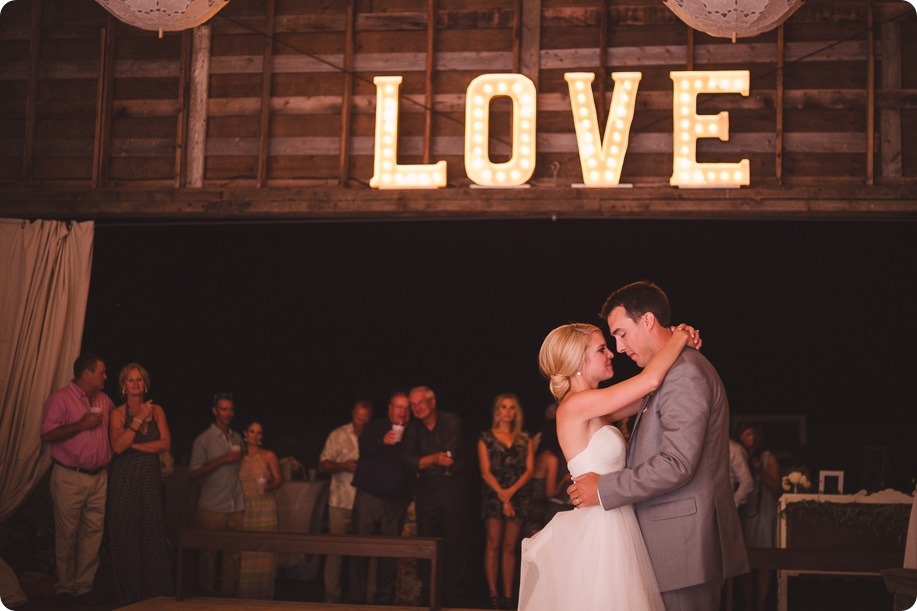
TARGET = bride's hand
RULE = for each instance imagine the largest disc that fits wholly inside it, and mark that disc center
(504, 495)
(694, 339)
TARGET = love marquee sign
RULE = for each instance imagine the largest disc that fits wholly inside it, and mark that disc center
(601, 156)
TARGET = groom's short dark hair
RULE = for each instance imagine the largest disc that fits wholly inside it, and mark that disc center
(637, 299)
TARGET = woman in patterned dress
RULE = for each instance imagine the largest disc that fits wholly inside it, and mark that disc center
(259, 474)
(507, 460)
(138, 432)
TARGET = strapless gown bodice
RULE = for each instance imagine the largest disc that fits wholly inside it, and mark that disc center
(605, 453)
(590, 558)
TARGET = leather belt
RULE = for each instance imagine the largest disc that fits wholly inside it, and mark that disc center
(81, 469)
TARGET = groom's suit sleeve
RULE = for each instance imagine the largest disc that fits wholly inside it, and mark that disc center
(675, 422)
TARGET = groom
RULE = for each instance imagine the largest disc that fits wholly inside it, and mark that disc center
(677, 474)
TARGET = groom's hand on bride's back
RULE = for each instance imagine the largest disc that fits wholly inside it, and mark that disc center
(584, 491)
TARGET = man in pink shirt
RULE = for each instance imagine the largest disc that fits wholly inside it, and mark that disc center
(76, 425)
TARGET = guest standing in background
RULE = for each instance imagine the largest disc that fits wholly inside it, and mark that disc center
(507, 461)
(339, 458)
(136, 531)
(383, 489)
(215, 458)
(759, 513)
(75, 423)
(431, 448)
(549, 480)
(742, 482)
(259, 474)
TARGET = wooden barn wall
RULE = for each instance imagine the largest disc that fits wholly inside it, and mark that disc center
(279, 93)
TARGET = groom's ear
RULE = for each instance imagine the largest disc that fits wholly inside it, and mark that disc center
(648, 320)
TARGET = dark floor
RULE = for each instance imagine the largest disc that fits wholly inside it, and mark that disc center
(806, 593)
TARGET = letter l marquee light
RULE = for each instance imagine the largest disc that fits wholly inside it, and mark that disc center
(387, 172)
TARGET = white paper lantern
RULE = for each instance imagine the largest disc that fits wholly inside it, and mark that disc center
(733, 18)
(163, 15)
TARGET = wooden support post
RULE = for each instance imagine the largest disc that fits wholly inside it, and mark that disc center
(31, 102)
(870, 98)
(890, 80)
(266, 73)
(184, 87)
(102, 144)
(346, 111)
(689, 50)
(530, 49)
(197, 111)
(603, 62)
(778, 105)
(518, 8)
(428, 101)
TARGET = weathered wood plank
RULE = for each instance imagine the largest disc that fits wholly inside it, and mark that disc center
(347, 94)
(265, 102)
(31, 102)
(238, 202)
(890, 118)
(429, 74)
(101, 158)
(197, 111)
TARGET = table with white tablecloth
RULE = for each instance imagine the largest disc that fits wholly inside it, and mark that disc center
(301, 507)
(862, 499)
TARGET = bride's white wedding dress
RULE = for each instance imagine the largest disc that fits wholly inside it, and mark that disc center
(590, 558)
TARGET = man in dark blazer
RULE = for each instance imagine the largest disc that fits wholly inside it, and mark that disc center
(677, 474)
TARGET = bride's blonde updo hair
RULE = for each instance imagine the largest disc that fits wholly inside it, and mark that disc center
(562, 353)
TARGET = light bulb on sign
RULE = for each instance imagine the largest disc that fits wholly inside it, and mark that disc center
(521, 165)
(387, 172)
(617, 127)
(689, 126)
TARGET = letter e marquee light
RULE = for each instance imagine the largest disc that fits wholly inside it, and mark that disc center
(689, 126)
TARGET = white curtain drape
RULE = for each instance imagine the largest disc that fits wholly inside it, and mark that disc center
(44, 284)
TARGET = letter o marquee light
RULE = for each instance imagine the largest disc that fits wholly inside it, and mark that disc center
(521, 165)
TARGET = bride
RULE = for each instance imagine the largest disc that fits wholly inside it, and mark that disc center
(591, 558)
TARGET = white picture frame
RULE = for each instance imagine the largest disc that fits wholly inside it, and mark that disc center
(834, 479)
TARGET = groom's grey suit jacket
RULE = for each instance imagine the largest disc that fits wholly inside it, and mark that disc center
(677, 478)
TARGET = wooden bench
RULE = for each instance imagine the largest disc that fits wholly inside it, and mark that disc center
(189, 540)
(828, 560)
(821, 560)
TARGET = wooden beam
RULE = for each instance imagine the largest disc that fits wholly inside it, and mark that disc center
(240, 201)
(31, 102)
(184, 98)
(429, 72)
(778, 106)
(689, 49)
(102, 144)
(266, 72)
(604, 75)
(197, 112)
(517, 35)
(346, 111)
(530, 52)
(870, 98)
(890, 80)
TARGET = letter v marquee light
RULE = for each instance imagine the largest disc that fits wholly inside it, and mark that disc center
(602, 158)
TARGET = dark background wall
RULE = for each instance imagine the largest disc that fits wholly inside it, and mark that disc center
(298, 320)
